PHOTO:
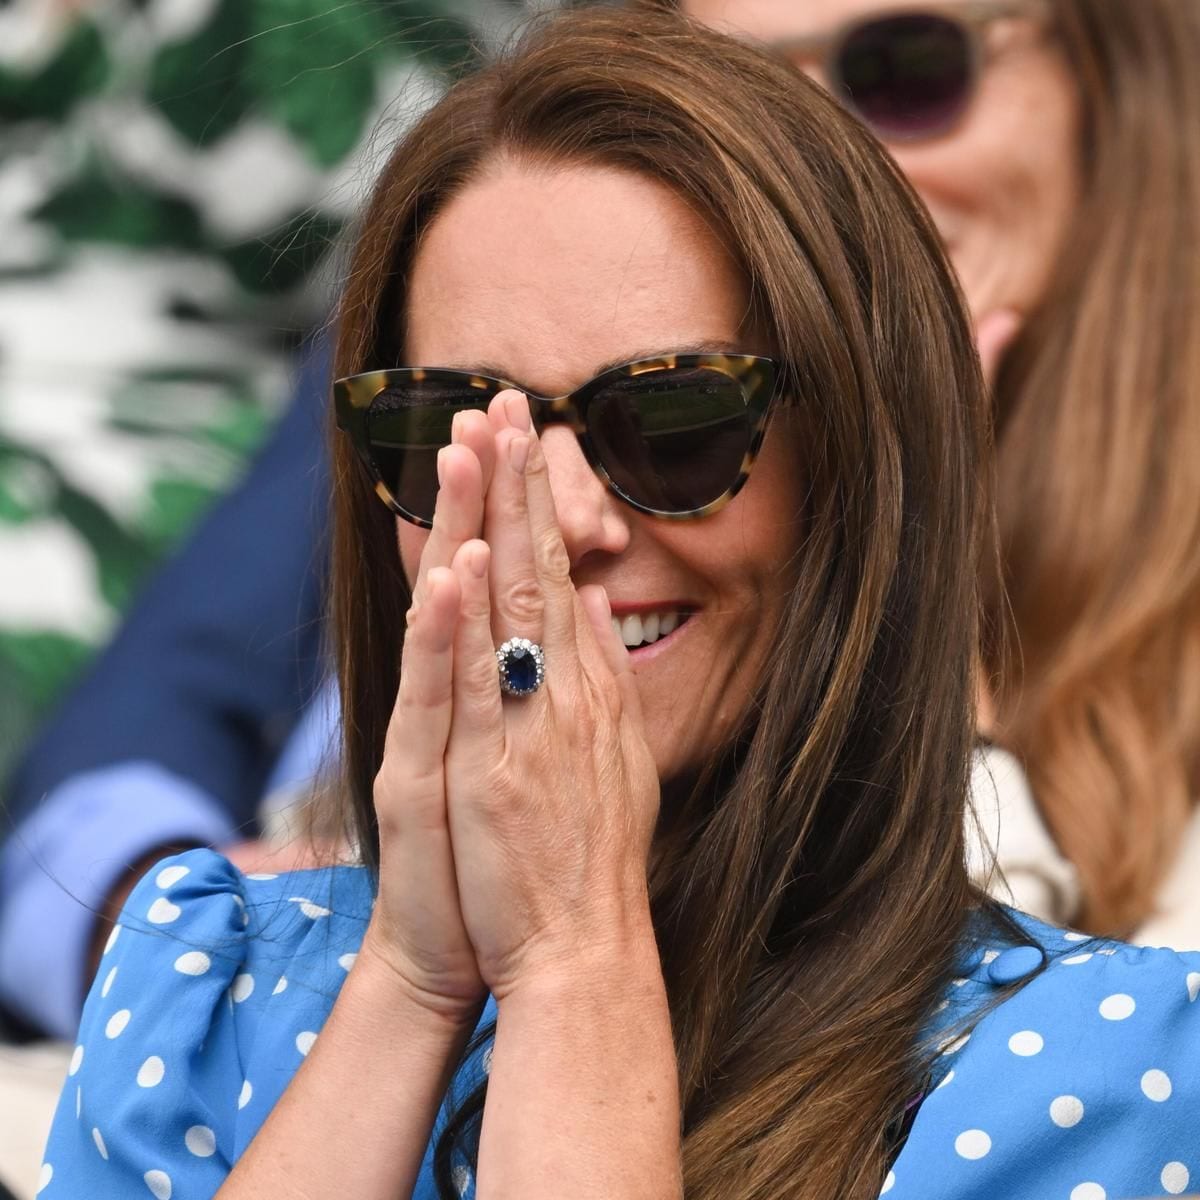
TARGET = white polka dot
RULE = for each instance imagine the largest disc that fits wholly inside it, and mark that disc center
(949, 1076)
(159, 1183)
(163, 912)
(242, 905)
(262, 877)
(461, 1178)
(1026, 1043)
(308, 908)
(194, 962)
(100, 1144)
(1109, 952)
(150, 1073)
(954, 1045)
(304, 1041)
(246, 1093)
(241, 988)
(1156, 1086)
(1193, 984)
(958, 982)
(1088, 1191)
(990, 956)
(888, 1183)
(281, 986)
(112, 938)
(972, 1144)
(1072, 936)
(1118, 1007)
(108, 982)
(78, 1101)
(201, 1141)
(347, 961)
(1076, 959)
(1066, 1111)
(170, 876)
(45, 1175)
(1175, 1177)
(485, 1060)
(116, 1023)
(76, 1061)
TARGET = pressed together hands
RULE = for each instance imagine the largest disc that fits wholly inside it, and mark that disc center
(514, 831)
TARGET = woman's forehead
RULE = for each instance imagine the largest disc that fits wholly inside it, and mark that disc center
(544, 274)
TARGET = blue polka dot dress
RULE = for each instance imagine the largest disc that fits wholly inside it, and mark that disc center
(1083, 1085)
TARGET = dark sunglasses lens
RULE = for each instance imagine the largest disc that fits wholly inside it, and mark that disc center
(907, 76)
(671, 440)
(406, 427)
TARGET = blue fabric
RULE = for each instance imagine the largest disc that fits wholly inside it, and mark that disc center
(67, 859)
(1084, 1085)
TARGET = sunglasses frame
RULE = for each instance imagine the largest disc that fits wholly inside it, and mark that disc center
(755, 376)
(973, 17)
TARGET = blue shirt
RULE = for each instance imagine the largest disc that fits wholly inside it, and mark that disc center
(1084, 1085)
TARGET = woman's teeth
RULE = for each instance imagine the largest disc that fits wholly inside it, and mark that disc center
(645, 628)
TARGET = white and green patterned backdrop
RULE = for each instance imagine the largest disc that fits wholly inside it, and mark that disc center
(173, 175)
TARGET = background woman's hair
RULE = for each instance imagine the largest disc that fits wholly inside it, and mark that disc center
(1098, 434)
(809, 892)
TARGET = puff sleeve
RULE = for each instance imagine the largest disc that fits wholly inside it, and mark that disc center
(151, 1097)
(1085, 1085)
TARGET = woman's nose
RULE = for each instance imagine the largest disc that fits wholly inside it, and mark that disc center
(590, 517)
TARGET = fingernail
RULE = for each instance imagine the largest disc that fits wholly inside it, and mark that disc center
(477, 561)
(518, 454)
(440, 464)
(517, 408)
(454, 423)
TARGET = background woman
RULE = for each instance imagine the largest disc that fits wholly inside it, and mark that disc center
(710, 873)
(1057, 146)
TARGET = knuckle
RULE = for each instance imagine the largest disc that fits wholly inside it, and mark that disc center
(522, 599)
(552, 557)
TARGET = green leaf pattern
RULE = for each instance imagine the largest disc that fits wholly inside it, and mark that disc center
(180, 173)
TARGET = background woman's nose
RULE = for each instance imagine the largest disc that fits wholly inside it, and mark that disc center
(591, 518)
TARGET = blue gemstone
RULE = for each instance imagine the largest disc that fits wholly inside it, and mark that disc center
(522, 669)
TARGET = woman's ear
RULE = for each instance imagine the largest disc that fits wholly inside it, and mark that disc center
(994, 333)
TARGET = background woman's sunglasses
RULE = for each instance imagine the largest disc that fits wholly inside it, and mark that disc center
(673, 436)
(908, 73)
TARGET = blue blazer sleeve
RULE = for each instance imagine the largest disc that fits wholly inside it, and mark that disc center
(220, 655)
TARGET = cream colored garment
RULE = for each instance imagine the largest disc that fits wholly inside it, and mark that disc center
(1010, 852)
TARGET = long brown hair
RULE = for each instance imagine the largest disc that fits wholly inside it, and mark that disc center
(1098, 411)
(810, 896)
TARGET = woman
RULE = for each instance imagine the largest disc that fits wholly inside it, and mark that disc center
(1057, 146)
(711, 872)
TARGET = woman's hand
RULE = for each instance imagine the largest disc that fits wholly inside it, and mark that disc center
(552, 798)
(417, 926)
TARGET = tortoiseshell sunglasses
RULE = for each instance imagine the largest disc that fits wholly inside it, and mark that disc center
(674, 436)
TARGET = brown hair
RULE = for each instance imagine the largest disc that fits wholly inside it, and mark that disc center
(810, 896)
(1098, 436)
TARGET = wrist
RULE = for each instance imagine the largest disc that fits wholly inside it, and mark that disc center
(399, 987)
(620, 960)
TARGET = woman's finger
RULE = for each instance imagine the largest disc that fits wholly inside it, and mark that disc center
(420, 723)
(551, 560)
(464, 472)
(478, 723)
(593, 600)
(515, 591)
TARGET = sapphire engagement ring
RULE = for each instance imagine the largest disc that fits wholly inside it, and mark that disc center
(522, 667)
